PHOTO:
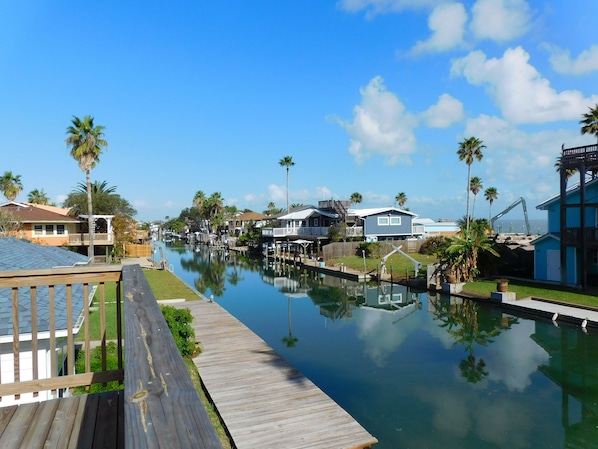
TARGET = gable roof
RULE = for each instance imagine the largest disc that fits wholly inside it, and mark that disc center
(17, 254)
(33, 213)
(379, 210)
(251, 216)
(304, 212)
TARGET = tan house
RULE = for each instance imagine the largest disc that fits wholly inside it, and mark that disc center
(52, 226)
(43, 225)
(240, 223)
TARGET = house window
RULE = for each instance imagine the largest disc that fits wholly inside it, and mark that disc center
(383, 221)
(395, 221)
(316, 222)
(60, 229)
(38, 229)
(49, 229)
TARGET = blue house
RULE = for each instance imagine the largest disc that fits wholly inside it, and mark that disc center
(568, 252)
(387, 223)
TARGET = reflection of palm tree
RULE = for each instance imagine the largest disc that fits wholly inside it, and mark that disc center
(461, 322)
(290, 340)
(473, 372)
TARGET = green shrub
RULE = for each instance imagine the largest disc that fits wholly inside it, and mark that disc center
(434, 245)
(179, 323)
(95, 361)
(372, 249)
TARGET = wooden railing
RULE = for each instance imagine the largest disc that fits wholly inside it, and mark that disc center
(44, 305)
(162, 407)
(99, 238)
(587, 154)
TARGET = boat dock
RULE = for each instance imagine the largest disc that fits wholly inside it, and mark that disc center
(263, 400)
(585, 317)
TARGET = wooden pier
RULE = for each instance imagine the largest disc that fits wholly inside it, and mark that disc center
(263, 400)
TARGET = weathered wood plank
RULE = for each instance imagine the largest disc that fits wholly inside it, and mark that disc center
(264, 400)
(88, 421)
(18, 426)
(162, 406)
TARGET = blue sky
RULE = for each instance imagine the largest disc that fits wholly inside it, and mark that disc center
(368, 96)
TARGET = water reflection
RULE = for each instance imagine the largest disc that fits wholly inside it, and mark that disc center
(415, 370)
(462, 321)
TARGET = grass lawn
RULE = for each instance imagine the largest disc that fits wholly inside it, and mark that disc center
(164, 285)
(397, 263)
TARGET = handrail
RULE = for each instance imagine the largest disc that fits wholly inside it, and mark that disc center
(162, 406)
(49, 307)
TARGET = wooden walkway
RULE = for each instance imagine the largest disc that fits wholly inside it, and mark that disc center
(68, 423)
(263, 400)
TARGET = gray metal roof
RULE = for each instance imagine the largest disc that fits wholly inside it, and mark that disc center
(17, 254)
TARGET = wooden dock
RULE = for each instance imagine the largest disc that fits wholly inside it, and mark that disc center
(263, 400)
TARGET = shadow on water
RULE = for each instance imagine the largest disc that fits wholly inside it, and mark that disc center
(415, 369)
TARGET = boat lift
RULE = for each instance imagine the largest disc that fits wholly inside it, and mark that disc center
(508, 209)
(397, 249)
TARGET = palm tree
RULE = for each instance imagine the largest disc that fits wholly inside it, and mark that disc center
(568, 172)
(490, 194)
(401, 199)
(11, 185)
(356, 198)
(589, 122)
(470, 149)
(86, 141)
(37, 196)
(475, 185)
(199, 199)
(287, 162)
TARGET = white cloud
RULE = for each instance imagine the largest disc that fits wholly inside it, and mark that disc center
(500, 20)
(517, 358)
(560, 59)
(518, 89)
(522, 160)
(373, 7)
(444, 113)
(277, 193)
(447, 23)
(381, 125)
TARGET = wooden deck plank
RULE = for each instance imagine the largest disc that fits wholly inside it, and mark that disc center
(18, 426)
(264, 400)
(90, 421)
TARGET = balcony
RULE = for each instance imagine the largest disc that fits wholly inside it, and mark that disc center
(305, 231)
(82, 239)
(575, 237)
(159, 406)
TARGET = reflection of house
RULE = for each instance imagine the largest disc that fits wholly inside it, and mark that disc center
(570, 248)
(573, 366)
(17, 254)
(390, 297)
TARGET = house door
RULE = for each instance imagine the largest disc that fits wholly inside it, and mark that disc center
(553, 265)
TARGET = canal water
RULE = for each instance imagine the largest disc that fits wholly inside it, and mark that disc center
(417, 370)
